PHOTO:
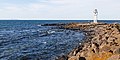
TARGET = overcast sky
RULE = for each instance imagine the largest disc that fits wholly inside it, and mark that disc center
(59, 9)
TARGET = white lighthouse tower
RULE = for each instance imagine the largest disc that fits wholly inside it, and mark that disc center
(95, 15)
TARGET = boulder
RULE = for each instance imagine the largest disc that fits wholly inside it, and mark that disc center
(83, 53)
(116, 51)
(105, 48)
(73, 58)
(63, 57)
(114, 57)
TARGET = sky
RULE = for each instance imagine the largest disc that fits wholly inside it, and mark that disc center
(59, 9)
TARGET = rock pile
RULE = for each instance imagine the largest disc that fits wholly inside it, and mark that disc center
(102, 42)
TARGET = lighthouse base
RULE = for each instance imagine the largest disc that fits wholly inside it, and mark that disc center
(95, 19)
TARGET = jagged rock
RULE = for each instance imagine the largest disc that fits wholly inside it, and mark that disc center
(95, 47)
(76, 58)
(105, 48)
(110, 39)
(114, 57)
(102, 42)
(63, 57)
(73, 58)
(117, 42)
(73, 53)
(116, 51)
(85, 46)
(78, 54)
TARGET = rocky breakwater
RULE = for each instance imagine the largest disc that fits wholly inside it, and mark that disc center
(102, 42)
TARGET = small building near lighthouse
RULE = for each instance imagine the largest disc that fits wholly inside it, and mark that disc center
(95, 15)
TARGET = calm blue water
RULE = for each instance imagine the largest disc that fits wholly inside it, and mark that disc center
(27, 40)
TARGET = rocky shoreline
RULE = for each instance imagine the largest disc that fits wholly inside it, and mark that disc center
(102, 41)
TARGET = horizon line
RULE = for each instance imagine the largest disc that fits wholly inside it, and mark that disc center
(58, 19)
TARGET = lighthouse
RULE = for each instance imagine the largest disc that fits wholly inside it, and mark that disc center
(95, 15)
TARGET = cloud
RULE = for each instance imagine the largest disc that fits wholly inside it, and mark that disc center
(58, 9)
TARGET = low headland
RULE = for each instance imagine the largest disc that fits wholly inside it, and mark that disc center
(102, 41)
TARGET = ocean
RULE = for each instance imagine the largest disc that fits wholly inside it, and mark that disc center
(28, 40)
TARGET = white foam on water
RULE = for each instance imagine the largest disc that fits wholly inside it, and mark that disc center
(38, 25)
(44, 42)
(49, 32)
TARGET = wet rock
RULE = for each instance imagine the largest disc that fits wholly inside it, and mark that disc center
(73, 53)
(63, 57)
